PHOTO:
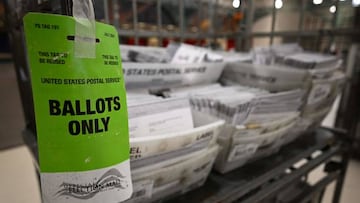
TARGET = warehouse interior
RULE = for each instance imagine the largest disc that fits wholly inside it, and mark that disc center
(226, 100)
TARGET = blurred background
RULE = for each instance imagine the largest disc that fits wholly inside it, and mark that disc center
(326, 26)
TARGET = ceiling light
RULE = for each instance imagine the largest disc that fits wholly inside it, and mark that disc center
(332, 9)
(317, 2)
(278, 4)
(356, 3)
(236, 3)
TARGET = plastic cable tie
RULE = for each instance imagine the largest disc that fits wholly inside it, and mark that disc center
(85, 32)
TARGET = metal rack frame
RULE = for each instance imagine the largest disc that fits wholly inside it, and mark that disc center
(242, 37)
(16, 10)
(267, 177)
(267, 182)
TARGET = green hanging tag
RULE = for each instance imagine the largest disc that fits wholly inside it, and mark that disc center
(81, 112)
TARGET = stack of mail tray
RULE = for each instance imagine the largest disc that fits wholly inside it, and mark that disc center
(327, 81)
(173, 147)
(326, 78)
(283, 67)
(289, 85)
(176, 65)
(256, 119)
(166, 138)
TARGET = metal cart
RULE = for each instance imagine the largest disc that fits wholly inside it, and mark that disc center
(266, 180)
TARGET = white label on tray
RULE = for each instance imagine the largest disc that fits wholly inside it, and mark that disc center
(142, 190)
(242, 151)
(188, 54)
(247, 133)
(319, 92)
(200, 173)
(143, 147)
(156, 124)
(166, 186)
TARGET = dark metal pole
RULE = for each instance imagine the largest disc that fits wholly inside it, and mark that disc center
(348, 116)
(301, 21)
(159, 22)
(273, 20)
(181, 19)
(66, 7)
(335, 16)
(106, 11)
(249, 23)
(334, 21)
(340, 181)
(213, 23)
(135, 21)
(116, 14)
(239, 37)
(211, 19)
(201, 17)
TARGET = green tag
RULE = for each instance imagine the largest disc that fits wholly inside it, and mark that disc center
(81, 111)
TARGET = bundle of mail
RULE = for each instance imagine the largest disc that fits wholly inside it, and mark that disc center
(172, 148)
(274, 54)
(316, 76)
(143, 54)
(235, 56)
(325, 77)
(255, 109)
(176, 65)
(256, 119)
(326, 82)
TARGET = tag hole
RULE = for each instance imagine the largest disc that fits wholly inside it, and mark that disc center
(72, 38)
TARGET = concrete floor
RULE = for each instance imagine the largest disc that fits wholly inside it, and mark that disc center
(11, 114)
(18, 178)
